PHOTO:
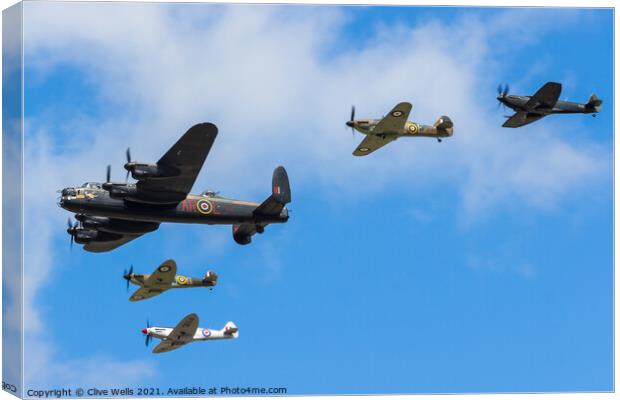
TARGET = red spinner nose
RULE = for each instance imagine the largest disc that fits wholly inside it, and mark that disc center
(145, 331)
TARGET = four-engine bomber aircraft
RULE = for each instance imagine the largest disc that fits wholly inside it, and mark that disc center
(112, 214)
(393, 126)
(185, 332)
(163, 278)
(544, 102)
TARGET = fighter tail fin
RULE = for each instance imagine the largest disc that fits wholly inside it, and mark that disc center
(444, 124)
(594, 103)
(231, 329)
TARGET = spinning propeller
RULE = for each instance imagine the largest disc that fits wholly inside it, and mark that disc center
(351, 120)
(146, 332)
(72, 229)
(128, 155)
(127, 275)
(501, 93)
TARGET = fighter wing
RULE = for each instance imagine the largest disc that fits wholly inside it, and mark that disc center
(372, 143)
(185, 330)
(545, 97)
(167, 345)
(101, 247)
(521, 118)
(185, 158)
(144, 293)
(395, 121)
(163, 275)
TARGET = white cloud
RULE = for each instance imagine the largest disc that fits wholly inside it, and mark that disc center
(279, 84)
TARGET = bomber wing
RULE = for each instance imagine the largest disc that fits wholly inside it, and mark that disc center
(101, 247)
(186, 156)
(545, 97)
(182, 334)
(521, 118)
(372, 143)
(395, 121)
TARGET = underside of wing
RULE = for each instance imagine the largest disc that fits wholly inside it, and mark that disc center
(144, 293)
(372, 143)
(101, 247)
(185, 330)
(163, 275)
(520, 119)
(545, 97)
(168, 345)
(395, 121)
(185, 158)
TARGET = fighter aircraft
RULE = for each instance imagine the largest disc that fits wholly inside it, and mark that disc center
(112, 214)
(185, 332)
(393, 126)
(164, 278)
(542, 103)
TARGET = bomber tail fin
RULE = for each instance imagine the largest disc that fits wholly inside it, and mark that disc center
(280, 194)
(594, 103)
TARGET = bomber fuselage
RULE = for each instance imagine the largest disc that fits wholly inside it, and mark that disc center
(91, 200)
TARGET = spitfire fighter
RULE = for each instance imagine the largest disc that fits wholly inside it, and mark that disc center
(112, 214)
(163, 278)
(393, 126)
(185, 332)
(544, 102)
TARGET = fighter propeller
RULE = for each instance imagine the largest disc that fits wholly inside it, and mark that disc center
(127, 275)
(146, 332)
(351, 121)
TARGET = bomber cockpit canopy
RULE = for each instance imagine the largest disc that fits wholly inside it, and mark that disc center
(91, 185)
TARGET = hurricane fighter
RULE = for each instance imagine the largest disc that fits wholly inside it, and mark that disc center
(544, 102)
(393, 126)
(164, 278)
(185, 332)
(111, 214)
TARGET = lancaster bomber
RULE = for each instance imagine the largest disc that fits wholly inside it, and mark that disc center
(165, 278)
(111, 214)
(544, 102)
(393, 126)
(185, 332)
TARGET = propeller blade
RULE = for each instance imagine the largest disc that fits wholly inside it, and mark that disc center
(71, 245)
(128, 155)
(352, 113)
(499, 89)
(131, 269)
(506, 89)
(108, 173)
(69, 224)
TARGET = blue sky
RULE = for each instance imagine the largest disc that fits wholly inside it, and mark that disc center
(480, 264)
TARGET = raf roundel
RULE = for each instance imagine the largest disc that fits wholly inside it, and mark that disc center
(397, 113)
(364, 149)
(413, 128)
(181, 280)
(206, 333)
(164, 268)
(204, 206)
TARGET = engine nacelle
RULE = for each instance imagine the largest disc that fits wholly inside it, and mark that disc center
(120, 190)
(242, 239)
(150, 171)
(117, 226)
